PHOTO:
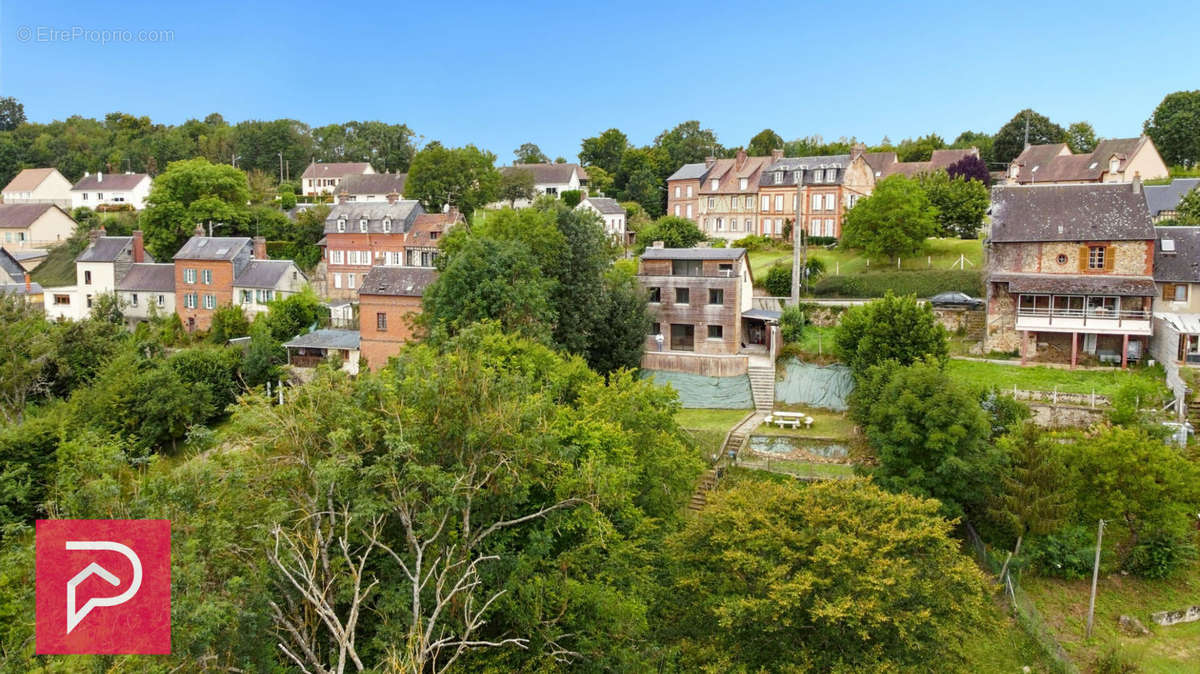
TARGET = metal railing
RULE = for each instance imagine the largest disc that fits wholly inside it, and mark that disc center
(1092, 312)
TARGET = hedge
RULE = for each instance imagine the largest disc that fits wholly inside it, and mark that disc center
(919, 283)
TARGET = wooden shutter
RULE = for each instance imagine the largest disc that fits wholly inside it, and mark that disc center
(1083, 258)
(1168, 292)
(1110, 252)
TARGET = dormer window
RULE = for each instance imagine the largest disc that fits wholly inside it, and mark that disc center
(387, 225)
(1114, 165)
(819, 176)
(362, 225)
(743, 183)
(796, 175)
(778, 177)
(341, 224)
(714, 184)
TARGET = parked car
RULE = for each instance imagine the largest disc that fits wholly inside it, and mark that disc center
(955, 299)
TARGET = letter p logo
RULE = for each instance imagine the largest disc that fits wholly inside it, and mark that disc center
(103, 586)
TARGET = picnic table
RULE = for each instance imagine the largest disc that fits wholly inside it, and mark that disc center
(789, 419)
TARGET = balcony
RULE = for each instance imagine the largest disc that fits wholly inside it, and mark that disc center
(1098, 320)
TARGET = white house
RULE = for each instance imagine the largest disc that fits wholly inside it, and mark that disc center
(105, 261)
(99, 190)
(38, 186)
(611, 212)
(324, 178)
(262, 281)
(552, 179)
(372, 188)
(147, 289)
(33, 225)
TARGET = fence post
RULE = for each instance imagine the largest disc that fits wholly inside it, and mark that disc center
(1093, 397)
(1055, 394)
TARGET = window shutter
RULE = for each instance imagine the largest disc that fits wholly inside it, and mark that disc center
(1083, 258)
(1109, 254)
(1168, 291)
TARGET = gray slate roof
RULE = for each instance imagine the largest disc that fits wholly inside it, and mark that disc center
(1161, 198)
(1076, 284)
(693, 253)
(690, 172)
(117, 182)
(606, 205)
(326, 338)
(335, 169)
(401, 213)
(109, 249)
(1087, 212)
(397, 281)
(13, 271)
(262, 273)
(151, 276)
(548, 174)
(789, 165)
(20, 216)
(373, 183)
(212, 247)
(1181, 264)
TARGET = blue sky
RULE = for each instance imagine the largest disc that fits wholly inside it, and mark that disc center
(498, 74)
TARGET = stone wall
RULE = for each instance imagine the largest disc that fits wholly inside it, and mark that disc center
(1065, 416)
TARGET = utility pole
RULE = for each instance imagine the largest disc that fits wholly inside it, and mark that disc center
(280, 167)
(1026, 128)
(799, 246)
(1095, 576)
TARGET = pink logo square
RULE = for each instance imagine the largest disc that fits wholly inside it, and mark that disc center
(103, 586)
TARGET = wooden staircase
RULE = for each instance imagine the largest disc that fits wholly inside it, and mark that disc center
(708, 482)
(762, 386)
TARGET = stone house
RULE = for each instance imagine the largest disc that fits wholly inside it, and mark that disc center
(1163, 200)
(389, 299)
(1070, 272)
(1114, 160)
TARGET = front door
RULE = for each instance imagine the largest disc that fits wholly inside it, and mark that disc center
(683, 337)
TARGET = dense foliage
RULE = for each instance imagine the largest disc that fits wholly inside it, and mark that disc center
(961, 203)
(894, 328)
(1174, 126)
(894, 220)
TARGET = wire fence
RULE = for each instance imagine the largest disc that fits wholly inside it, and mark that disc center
(1022, 606)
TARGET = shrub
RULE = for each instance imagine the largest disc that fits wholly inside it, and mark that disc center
(791, 324)
(1134, 395)
(778, 280)
(1113, 661)
(754, 242)
(1160, 555)
(1067, 554)
(821, 240)
(571, 198)
(919, 283)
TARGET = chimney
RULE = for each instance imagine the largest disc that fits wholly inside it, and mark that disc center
(343, 197)
(776, 155)
(99, 176)
(741, 159)
(28, 284)
(658, 244)
(199, 229)
(709, 161)
(96, 233)
(1137, 184)
(857, 151)
(260, 248)
(393, 197)
(139, 248)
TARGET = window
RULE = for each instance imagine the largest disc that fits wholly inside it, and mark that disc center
(189, 301)
(341, 224)
(714, 183)
(264, 296)
(350, 281)
(766, 203)
(677, 191)
(206, 276)
(1096, 257)
(1061, 259)
(779, 203)
(1175, 292)
(749, 202)
(720, 225)
(819, 176)
(337, 257)
(656, 295)
(87, 278)
(726, 268)
(189, 275)
(655, 328)
(716, 332)
(62, 299)
(433, 236)
(162, 300)
(133, 299)
(1114, 165)
(395, 259)
(362, 225)
(210, 302)
(689, 210)
(716, 296)
(85, 196)
(829, 228)
(743, 183)
(733, 203)
(712, 202)
(816, 202)
(337, 280)
(676, 210)
(381, 322)
(99, 196)
(686, 267)
(88, 301)
(246, 296)
(387, 225)
(830, 201)
(689, 191)
(748, 221)
(682, 296)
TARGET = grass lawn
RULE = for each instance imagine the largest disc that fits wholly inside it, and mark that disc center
(58, 269)
(708, 427)
(1063, 605)
(938, 254)
(1039, 378)
(1003, 646)
(816, 341)
(826, 424)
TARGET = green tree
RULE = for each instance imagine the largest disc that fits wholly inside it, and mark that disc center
(930, 437)
(975, 139)
(30, 349)
(894, 328)
(640, 178)
(838, 576)
(600, 182)
(895, 220)
(1189, 208)
(763, 143)
(1035, 497)
(1174, 126)
(1081, 138)
(12, 113)
(464, 177)
(530, 153)
(791, 324)
(1009, 141)
(516, 185)
(673, 231)
(604, 151)
(920, 149)
(571, 198)
(618, 338)
(293, 315)
(961, 203)
(188, 193)
(228, 322)
(687, 143)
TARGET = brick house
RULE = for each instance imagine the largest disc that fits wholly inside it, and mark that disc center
(698, 298)
(389, 299)
(729, 197)
(683, 190)
(828, 186)
(1113, 160)
(205, 269)
(1070, 272)
(359, 236)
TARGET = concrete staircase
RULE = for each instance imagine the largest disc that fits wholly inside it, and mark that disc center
(733, 442)
(762, 385)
